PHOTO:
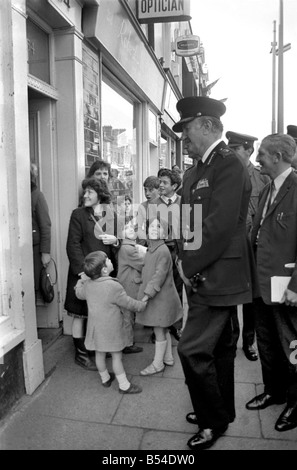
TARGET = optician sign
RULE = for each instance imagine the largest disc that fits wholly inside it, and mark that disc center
(163, 11)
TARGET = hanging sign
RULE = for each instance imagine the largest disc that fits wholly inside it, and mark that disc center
(187, 46)
(163, 11)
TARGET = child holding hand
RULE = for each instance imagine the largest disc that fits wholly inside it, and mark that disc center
(164, 307)
(130, 263)
(106, 297)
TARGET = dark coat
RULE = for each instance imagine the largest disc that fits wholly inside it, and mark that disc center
(41, 230)
(221, 189)
(277, 242)
(80, 242)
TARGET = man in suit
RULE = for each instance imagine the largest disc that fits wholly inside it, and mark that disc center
(243, 146)
(215, 261)
(274, 238)
(292, 131)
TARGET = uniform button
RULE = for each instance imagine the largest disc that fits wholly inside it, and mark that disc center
(199, 197)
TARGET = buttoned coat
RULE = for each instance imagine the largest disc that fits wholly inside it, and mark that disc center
(81, 241)
(220, 189)
(130, 264)
(106, 298)
(277, 241)
(164, 307)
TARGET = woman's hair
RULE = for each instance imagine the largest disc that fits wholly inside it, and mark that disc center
(162, 222)
(98, 165)
(101, 188)
(93, 264)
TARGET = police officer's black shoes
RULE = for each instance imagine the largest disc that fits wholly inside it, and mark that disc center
(250, 353)
(287, 419)
(260, 402)
(192, 418)
(205, 438)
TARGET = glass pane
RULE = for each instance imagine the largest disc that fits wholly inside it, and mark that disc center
(91, 106)
(38, 52)
(119, 143)
(164, 153)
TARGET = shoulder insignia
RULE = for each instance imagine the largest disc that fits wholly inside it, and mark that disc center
(225, 152)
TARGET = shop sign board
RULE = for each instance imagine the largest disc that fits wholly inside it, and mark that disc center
(187, 46)
(163, 11)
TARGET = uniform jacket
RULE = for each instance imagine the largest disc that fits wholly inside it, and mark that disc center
(277, 242)
(258, 182)
(221, 189)
(81, 241)
(106, 298)
(164, 307)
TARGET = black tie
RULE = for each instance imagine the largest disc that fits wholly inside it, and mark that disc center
(272, 188)
(169, 202)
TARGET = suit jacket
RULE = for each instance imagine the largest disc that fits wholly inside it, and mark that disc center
(221, 189)
(277, 241)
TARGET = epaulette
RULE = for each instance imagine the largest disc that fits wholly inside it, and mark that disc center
(225, 152)
(190, 168)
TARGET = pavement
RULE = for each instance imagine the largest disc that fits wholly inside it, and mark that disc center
(72, 411)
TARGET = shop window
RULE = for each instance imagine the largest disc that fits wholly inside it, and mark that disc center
(119, 142)
(91, 106)
(38, 52)
(164, 153)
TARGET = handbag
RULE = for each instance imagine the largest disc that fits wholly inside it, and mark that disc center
(46, 284)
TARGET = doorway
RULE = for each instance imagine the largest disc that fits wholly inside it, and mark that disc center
(42, 139)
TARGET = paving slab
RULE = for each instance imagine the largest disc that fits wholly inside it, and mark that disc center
(29, 432)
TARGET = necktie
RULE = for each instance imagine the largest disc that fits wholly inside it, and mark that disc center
(169, 202)
(271, 195)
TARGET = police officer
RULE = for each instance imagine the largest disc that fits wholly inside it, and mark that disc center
(243, 146)
(214, 261)
(292, 131)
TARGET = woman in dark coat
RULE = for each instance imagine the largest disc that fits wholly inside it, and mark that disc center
(41, 228)
(91, 228)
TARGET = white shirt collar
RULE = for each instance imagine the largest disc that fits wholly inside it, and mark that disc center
(166, 199)
(280, 179)
(210, 149)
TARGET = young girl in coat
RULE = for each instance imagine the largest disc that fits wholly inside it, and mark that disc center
(130, 263)
(164, 307)
(105, 298)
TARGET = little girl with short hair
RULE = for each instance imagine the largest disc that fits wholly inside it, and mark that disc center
(106, 297)
(164, 307)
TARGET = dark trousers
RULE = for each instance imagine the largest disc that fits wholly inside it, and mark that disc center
(248, 325)
(276, 329)
(178, 282)
(207, 351)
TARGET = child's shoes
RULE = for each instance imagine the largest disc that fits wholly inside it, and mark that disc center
(132, 349)
(109, 381)
(132, 389)
(151, 369)
(169, 362)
